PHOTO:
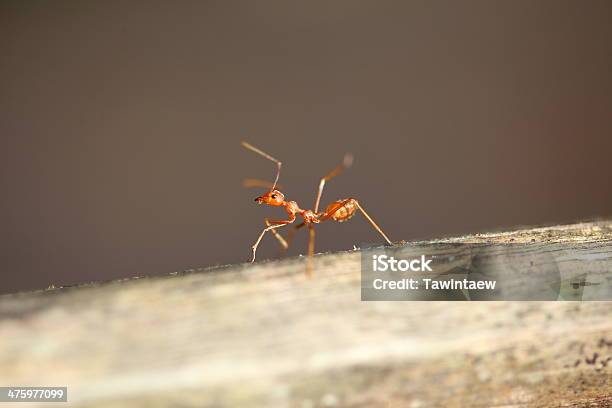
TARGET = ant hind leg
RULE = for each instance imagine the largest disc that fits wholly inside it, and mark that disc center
(335, 207)
(372, 223)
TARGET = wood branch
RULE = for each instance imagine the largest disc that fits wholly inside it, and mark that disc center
(265, 335)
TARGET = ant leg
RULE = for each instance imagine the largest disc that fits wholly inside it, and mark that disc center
(336, 206)
(275, 224)
(290, 236)
(371, 221)
(311, 247)
(277, 235)
(285, 243)
(346, 163)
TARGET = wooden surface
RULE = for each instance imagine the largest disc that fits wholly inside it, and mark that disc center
(265, 335)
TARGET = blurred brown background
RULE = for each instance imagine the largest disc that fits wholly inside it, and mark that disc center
(121, 123)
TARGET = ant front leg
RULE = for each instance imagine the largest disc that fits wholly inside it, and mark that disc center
(273, 225)
(290, 235)
(278, 236)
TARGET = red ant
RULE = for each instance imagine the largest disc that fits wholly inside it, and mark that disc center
(340, 210)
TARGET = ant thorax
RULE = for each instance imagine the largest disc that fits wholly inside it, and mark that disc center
(292, 207)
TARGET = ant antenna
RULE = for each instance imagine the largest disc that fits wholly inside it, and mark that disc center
(267, 156)
(257, 183)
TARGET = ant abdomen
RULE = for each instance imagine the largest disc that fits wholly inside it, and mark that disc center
(345, 212)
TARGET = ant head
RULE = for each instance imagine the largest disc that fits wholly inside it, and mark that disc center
(273, 197)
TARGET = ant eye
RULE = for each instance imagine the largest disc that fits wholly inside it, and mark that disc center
(273, 196)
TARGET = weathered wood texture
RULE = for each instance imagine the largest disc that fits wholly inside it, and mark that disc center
(265, 335)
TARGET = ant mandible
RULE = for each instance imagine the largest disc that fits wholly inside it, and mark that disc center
(340, 210)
